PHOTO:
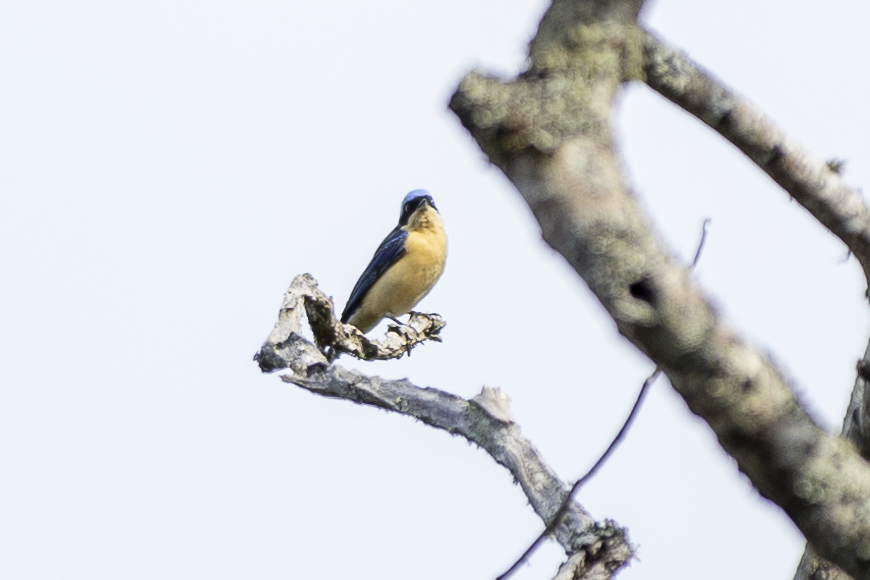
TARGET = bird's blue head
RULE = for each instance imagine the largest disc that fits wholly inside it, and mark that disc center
(412, 203)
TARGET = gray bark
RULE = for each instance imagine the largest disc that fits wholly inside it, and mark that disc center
(814, 184)
(334, 338)
(549, 131)
(596, 550)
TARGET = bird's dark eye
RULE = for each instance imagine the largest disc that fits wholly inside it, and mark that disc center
(407, 208)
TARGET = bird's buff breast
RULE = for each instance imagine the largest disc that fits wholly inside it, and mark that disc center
(408, 280)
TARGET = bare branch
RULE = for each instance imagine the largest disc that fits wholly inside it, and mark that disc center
(549, 132)
(616, 440)
(856, 428)
(333, 337)
(600, 562)
(597, 550)
(560, 513)
(856, 424)
(814, 183)
(812, 567)
(473, 420)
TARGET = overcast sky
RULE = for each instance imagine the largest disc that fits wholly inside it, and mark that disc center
(167, 168)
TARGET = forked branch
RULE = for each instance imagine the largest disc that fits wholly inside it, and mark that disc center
(596, 550)
(549, 131)
(334, 338)
(813, 183)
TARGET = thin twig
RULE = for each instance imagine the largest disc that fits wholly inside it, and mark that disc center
(560, 513)
(554, 522)
(704, 227)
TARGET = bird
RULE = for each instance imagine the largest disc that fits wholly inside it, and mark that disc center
(404, 268)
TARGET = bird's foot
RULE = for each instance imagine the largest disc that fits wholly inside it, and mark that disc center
(396, 320)
(406, 330)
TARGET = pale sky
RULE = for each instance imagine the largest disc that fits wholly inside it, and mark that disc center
(167, 168)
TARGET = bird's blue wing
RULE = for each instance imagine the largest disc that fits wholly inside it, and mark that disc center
(387, 254)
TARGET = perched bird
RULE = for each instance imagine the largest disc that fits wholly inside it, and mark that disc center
(404, 268)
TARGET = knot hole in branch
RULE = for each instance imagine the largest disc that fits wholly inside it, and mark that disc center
(643, 290)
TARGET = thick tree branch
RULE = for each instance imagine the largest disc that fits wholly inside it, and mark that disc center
(596, 550)
(549, 132)
(856, 424)
(815, 184)
(856, 428)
